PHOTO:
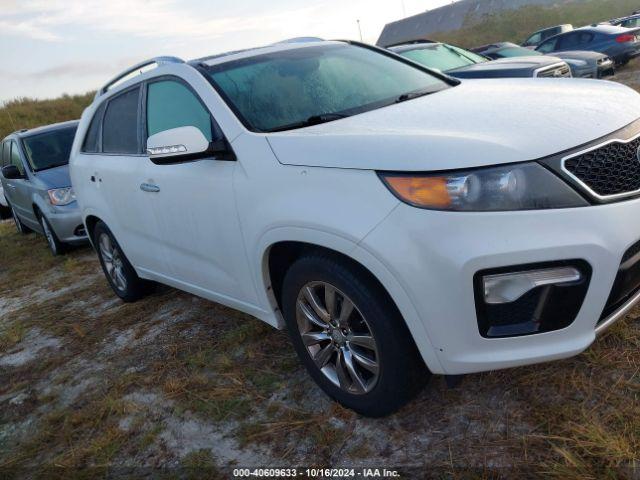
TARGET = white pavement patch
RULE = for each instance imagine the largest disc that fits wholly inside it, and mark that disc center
(29, 348)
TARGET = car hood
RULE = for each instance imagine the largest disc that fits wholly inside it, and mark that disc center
(524, 63)
(57, 177)
(579, 55)
(479, 122)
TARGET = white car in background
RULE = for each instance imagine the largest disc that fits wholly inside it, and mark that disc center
(389, 216)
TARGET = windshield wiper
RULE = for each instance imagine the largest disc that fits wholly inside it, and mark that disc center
(411, 95)
(312, 120)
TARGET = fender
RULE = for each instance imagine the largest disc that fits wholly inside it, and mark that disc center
(349, 248)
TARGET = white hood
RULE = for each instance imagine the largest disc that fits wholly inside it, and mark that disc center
(480, 122)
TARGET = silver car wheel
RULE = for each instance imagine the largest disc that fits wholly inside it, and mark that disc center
(49, 236)
(17, 221)
(112, 261)
(337, 337)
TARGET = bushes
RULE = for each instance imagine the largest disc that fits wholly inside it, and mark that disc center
(28, 113)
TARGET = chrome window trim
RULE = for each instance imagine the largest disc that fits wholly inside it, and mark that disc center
(588, 189)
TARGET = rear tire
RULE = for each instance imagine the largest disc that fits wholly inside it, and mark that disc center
(20, 227)
(120, 274)
(55, 245)
(369, 361)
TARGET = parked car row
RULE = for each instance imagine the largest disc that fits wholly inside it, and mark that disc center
(397, 221)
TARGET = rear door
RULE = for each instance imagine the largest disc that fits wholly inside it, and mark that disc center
(116, 173)
(18, 191)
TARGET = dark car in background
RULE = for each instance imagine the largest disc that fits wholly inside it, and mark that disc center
(461, 63)
(620, 44)
(584, 64)
(541, 35)
(632, 21)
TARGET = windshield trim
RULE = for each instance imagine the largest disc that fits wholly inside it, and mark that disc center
(206, 70)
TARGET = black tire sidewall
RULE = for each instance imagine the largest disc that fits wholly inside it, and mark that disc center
(135, 286)
(402, 372)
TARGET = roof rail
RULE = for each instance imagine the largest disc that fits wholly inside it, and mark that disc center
(153, 61)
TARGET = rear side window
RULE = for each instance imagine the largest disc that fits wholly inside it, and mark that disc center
(91, 140)
(120, 125)
(15, 157)
(170, 104)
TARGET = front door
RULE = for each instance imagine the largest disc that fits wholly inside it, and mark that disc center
(19, 190)
(194, 203)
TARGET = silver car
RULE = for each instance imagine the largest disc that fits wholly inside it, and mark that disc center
(37, 187)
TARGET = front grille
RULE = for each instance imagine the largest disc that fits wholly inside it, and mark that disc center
(556, 72)
(612, 169)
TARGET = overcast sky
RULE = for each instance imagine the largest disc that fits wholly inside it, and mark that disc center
(50, 47)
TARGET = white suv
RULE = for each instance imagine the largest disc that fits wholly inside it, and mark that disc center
(387, 215)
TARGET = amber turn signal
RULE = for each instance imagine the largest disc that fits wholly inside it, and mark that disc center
(428, 192)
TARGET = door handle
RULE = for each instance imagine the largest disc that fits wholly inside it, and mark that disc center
(148, 187)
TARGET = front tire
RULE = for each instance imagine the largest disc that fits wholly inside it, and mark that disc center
(120, 274)
(55, 245)
(350, 336)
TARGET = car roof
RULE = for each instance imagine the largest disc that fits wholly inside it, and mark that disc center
(292, 44)
(551, 28)
(604, 28)
(413, 46)
(25, 133)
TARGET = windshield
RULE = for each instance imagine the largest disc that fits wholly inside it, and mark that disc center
(511, 52)
(49, 150)
(443, 57)
(309, 85)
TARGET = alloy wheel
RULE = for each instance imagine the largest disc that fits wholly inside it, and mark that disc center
(113, 262)
(49, 236)
(337, 337)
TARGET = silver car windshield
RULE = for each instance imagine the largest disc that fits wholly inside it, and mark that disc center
(50, 149)
(315, 84)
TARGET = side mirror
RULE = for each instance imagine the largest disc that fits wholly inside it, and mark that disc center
(184, 144)
(11, 172)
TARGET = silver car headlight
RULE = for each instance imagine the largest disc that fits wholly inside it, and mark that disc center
(524, 186)
(61, 196)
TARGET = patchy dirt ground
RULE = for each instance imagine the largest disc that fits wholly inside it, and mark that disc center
(184, 387)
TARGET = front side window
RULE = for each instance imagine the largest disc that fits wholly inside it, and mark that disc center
(534, 39)
(50, 149)
(15, 157)
(548, 46)
(170, 104)
(287, 89)
(120, 125)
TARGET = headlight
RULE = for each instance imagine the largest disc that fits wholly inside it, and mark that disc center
(62, 196)
(525, 186)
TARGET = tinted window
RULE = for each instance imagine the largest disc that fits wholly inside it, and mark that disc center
(120, 126)
(575, 40)
(548, 46)
(15, 157)
(92, 139)
(511, 52)
(49, 150)
(171, 104)
(534, 39)
(287, 89)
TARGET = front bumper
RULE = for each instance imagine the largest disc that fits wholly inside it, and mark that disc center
(435, 255)
(66, 222)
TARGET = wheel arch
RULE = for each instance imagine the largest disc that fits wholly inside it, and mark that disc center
(279, 254)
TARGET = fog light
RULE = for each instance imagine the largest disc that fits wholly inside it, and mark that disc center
(509, 287)
(530, 299)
